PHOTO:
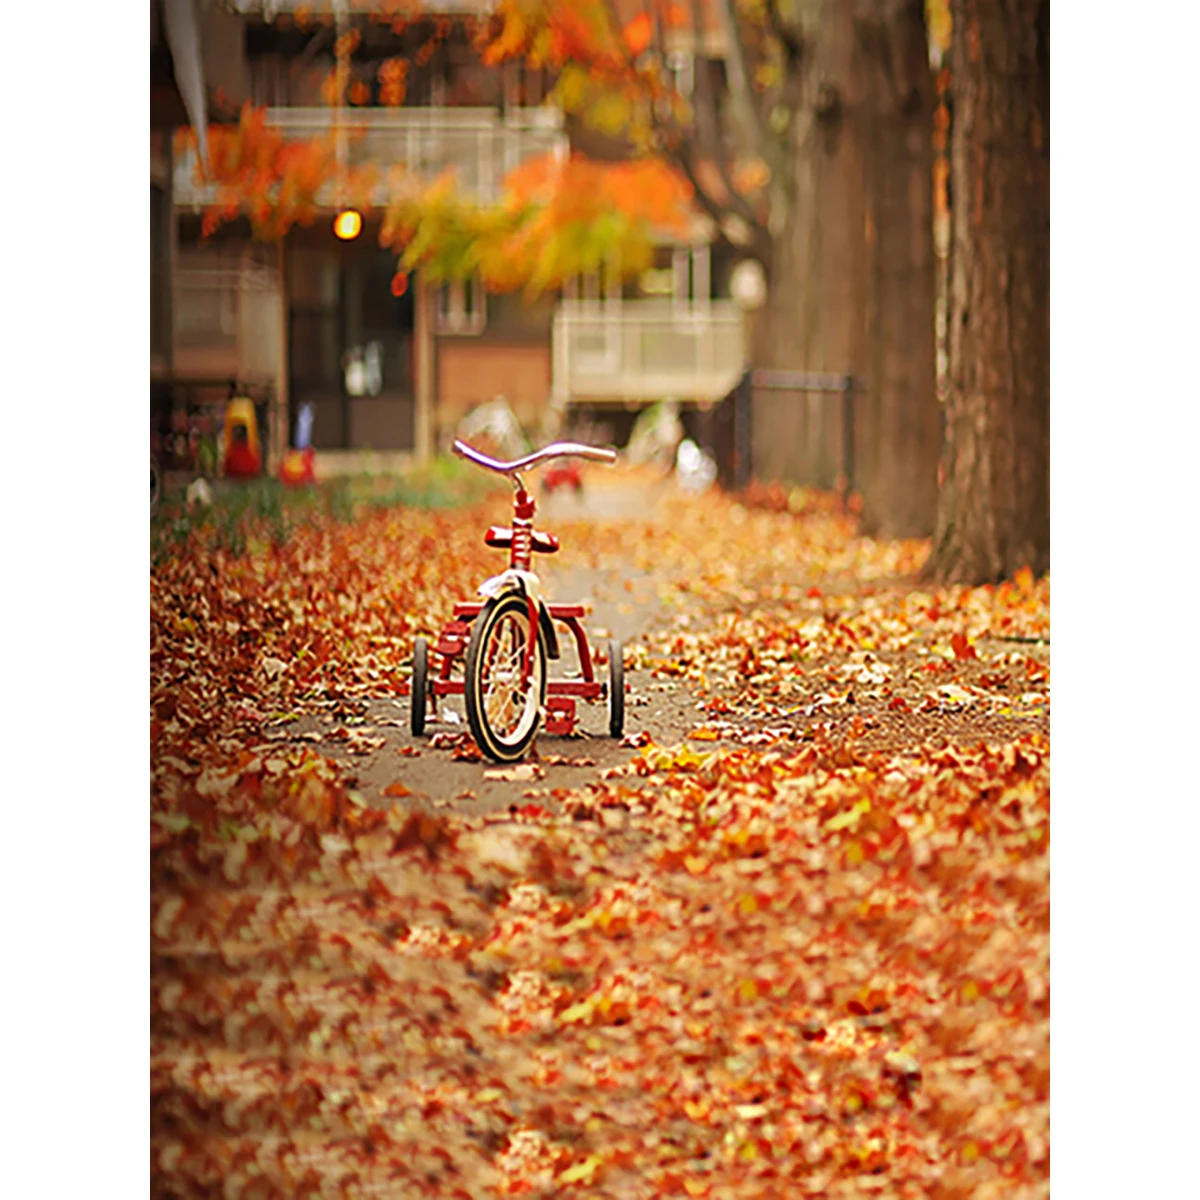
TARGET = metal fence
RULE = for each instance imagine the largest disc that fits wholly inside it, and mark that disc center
(729, 431)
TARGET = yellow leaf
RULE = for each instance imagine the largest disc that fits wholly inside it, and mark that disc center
(704, 735)
(748, 990)
(681, 759)
(577, 1012)
(581, 1172)
(748, 1112)
(748, 904)
(750, 176)
(846, 819)
(487, 1095)
(573, 86)
(695, 865)
(610, 112)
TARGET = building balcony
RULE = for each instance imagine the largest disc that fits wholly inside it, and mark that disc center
(480, 144)
(224, 325)
(641, 351)
(272, 8)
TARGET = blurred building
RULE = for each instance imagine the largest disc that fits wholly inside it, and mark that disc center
(314, 319)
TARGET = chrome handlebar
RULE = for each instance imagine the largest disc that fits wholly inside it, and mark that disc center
(554, 450)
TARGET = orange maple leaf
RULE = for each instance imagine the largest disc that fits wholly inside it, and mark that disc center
(961, 647)
(638, 33)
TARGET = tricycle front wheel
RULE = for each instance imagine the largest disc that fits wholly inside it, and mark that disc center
(505, 689)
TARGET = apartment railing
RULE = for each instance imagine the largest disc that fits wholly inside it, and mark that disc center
(480, 145)
(225, 324)
(271, 8)
(646, 350)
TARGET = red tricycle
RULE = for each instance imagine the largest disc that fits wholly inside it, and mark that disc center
(506, 640)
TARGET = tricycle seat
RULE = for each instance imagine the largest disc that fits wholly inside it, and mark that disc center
(500, 536)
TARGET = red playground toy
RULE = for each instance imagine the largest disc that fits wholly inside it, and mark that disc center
(506, 640)
(563, 474)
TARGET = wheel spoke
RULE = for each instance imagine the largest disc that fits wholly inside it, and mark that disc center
(505, 700)
(507, 664)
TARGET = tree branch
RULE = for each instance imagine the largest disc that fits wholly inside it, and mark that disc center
(722, 214)
(614, 19)
(684, 149)
(716, 213)
(708, 140)
(790, 38)
(759, 137)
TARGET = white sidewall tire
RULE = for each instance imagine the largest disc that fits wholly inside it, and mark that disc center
(497, 745)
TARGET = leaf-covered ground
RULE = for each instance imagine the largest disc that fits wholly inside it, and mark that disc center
(802, 948)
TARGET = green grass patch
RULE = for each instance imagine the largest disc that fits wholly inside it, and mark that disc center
(244, 516)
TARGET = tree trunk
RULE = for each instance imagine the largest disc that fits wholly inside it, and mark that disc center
(817, 277)
(898, 419)
(852, 272)
(994, 506)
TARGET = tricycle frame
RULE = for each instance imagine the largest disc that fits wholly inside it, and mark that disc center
(522, 541)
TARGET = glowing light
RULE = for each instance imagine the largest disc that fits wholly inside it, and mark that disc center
(348, 224)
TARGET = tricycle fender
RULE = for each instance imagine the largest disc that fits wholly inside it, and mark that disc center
(526, 584)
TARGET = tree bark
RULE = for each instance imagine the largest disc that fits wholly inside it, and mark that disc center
(817, 276)
(852, 267)
(898, 419)
(994, 505)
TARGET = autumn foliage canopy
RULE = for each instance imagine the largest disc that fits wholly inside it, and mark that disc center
(554, 217)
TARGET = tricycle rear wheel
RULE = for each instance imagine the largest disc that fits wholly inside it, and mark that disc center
(616, 689)
(419, 697)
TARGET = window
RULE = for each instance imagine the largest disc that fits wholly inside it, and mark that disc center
(349, 333)
(678, 274)
(313, 347)
(315, 342)
(462, 307)
(594, 288)
(268, 80)
(595, 349)
(467, 82)
(512, 314)
(525, 86)
(379, 327)
(680, 71)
